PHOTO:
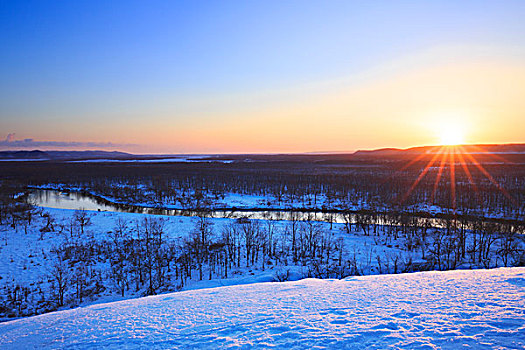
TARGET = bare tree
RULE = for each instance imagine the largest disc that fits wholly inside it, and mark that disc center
(60, 275)
(83, 219)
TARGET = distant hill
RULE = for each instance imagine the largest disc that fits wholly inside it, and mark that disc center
(518, 148)
(513, 152)
(88, 154)
(17, 155)
(60, 155)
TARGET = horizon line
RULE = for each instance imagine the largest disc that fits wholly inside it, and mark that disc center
(266, 153)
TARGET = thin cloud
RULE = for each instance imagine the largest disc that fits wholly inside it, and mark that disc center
(10, 137)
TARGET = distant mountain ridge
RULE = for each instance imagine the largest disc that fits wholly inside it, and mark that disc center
(514, 148)
(517, 149)
(61, 155)
(36, 154)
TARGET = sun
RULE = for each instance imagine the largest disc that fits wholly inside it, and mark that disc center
(449, 128)
(451, 135)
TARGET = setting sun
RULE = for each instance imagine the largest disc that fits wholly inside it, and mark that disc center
(451, 135)
(449, 127)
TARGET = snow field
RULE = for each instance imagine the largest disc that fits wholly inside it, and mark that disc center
(479, 309)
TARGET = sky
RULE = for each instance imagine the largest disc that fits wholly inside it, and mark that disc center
(259, 76)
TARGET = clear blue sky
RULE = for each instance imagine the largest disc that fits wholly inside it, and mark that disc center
(66, 65)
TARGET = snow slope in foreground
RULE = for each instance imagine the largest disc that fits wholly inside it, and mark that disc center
(456, 309)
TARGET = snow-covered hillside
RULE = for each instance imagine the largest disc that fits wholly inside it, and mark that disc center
(481, 309)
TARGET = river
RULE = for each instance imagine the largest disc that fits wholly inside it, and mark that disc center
(81, 200)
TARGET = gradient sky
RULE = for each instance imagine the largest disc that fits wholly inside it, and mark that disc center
(246, 76)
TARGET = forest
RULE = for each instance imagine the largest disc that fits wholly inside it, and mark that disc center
(55, 258)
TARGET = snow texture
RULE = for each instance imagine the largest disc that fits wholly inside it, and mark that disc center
(480, 309)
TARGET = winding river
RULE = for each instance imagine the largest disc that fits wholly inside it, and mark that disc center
(50, 198)
(82, 201)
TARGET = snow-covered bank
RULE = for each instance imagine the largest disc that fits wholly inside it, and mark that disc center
(482, 309)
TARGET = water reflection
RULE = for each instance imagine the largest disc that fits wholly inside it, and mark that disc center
(67, 200)
(77, 200)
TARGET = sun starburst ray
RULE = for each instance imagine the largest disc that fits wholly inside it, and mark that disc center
(420, 177)
(419, 157)
(490, 177)
(464, 165)
(480, 150)
(438, 176)
(452, 167)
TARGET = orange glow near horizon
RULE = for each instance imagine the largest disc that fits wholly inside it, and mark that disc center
(453, 155)
(415, 102)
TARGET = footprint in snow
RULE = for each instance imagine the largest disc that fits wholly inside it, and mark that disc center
(278, 329)
(517, 281)
(339, 321)
(405, 314)
(389, 325)
(334, 311)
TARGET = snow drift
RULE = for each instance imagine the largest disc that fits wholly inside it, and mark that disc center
(455, 309)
